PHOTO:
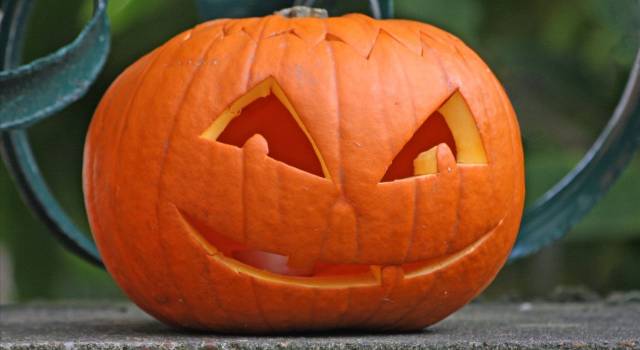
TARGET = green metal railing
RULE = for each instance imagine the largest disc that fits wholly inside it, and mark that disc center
(32, 92)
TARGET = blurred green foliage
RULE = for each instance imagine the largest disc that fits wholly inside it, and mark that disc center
(563, 63)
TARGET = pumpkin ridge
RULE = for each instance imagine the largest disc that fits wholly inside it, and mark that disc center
(252, 59)
(243, 177)
(456, 225)
(357, 233)
(216, 297)
(325, 233)
(154, 56)
(393, 325)
(294, 112)
(341, 178)
(97, 130)
(488, 96)
(459, 50)
(259, 304)
(163, 157)
(336, 96)
(249, 67)
(385, 121)
(312, 307)
(124, 117)
(409, 88)
(513, 127)
(343, 313)
(388, 142)
(516, 150)
(384, 298)
(414, 220)
(210, 254)
(416, 193)
(435, 55)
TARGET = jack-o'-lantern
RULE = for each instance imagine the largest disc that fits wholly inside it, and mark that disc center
(278, 174)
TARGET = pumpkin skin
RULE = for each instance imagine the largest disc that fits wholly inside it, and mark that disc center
(168, 202)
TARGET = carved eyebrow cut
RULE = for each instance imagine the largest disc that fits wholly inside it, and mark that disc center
(452, 124)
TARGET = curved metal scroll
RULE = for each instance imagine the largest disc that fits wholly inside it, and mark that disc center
(32, 92)
(569, 200)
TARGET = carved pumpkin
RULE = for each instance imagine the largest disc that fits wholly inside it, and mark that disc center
(274, 174)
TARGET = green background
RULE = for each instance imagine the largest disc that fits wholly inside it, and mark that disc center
(563, 63)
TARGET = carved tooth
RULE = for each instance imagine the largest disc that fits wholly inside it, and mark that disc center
(376, 271)
(437, 159)
(426, 163)
(390, 275)
(256, 144)
(445, 158)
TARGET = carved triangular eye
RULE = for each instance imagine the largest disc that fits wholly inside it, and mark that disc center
(265, 110)
(452, 124)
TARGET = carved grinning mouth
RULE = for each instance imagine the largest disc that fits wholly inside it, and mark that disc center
(270, 266)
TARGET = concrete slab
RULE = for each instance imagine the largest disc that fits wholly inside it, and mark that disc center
(537, 325)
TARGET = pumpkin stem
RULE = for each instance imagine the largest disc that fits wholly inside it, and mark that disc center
(302, 11)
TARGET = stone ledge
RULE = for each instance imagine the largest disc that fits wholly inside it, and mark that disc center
(492, 325)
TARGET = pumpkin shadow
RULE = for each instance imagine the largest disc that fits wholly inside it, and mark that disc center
(154, 332)
(324, 334)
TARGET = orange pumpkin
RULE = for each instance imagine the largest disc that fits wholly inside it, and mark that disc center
(276, 174)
